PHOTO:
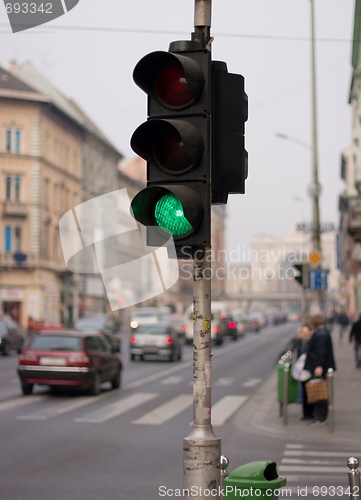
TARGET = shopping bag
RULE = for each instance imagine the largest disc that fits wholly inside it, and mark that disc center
(298, 371)
(317, 390)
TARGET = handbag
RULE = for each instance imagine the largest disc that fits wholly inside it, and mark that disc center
(298, 371)
(317, 390)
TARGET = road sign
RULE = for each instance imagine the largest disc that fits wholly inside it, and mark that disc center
(317, 279)
(315, 258)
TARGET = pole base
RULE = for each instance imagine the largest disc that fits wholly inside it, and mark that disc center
(201, 462)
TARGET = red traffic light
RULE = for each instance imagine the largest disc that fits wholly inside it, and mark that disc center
(174, 81)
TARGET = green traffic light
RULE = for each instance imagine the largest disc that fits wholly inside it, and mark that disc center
(169, 215)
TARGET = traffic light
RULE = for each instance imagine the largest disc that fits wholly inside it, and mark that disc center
(175, 142)
(302, 277)
(229, 114)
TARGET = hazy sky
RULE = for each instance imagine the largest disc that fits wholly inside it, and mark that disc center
(89, 54)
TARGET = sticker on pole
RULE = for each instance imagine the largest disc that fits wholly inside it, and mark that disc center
(24, 15)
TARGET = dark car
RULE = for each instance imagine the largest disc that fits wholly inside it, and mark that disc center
(104, 325)
(161, 340)
(69, 358)
(227, 325)
(12, 337)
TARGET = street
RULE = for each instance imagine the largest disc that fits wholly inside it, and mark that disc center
(128, 443)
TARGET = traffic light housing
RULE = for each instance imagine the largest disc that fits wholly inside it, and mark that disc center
(302, 277)
(229, 114)
(175, 142)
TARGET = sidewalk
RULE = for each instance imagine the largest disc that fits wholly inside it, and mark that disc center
(261, 414)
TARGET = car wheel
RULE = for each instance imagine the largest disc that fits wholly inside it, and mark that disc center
(116, 382)
(6, 349)
(188, 341)
(27, 388)
(180, 355)
(235, 336)
(95, 388)
(132, 357)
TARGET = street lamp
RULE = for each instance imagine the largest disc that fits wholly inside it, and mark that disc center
(293, 139)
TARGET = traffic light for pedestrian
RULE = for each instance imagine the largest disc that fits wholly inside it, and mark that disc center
(229, 114)
(302, 276)
(175, 142)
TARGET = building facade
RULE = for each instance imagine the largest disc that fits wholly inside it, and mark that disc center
(350, 199)
(40, 176)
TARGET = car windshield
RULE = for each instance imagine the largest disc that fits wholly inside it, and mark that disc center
(145, 314)
(89, 323)
(152, 330)
(56, 343)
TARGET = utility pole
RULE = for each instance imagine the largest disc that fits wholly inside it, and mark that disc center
(202, 449)
(315, 186)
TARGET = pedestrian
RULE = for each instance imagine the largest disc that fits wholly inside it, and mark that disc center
(30, 328)
(303, 336)
(356, 333)
(343, 321)
(319, 359)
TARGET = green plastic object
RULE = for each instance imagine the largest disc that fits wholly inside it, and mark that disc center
(292, 385)
(254, 480)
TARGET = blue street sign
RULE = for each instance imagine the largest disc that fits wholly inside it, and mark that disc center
(317, 279)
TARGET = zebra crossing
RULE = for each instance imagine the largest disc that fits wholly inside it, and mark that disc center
(315, 473)
(88, 411)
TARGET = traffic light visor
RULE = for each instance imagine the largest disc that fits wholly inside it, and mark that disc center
(173, 145)
(175, 210)
(174, 81)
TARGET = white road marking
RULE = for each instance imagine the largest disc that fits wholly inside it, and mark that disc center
(118, 408)
(224, 381)
(166, 411)
(328, 454)
(58, 408)
(225, 407)
(14, 403)
(252, 382)
(313, 469)
(176, 379)
(313, 462)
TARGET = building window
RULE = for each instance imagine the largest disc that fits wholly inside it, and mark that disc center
(8, 141)
(12, 239)
(8, 188)
(17, 141)
(17, 188)
(13, 188)
(46, 192)
(7, 239)
(13, 141)
(17, 239)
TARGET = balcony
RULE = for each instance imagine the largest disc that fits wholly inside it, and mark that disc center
(15, 209)
(25, 260)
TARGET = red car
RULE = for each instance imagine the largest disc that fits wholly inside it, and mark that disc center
(69, 358)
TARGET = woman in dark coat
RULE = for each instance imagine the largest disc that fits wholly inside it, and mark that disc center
(319, 359)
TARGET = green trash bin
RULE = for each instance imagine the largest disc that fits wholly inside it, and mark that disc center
(292, 384)
(254, 480)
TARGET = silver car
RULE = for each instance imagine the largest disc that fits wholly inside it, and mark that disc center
(159, 340)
